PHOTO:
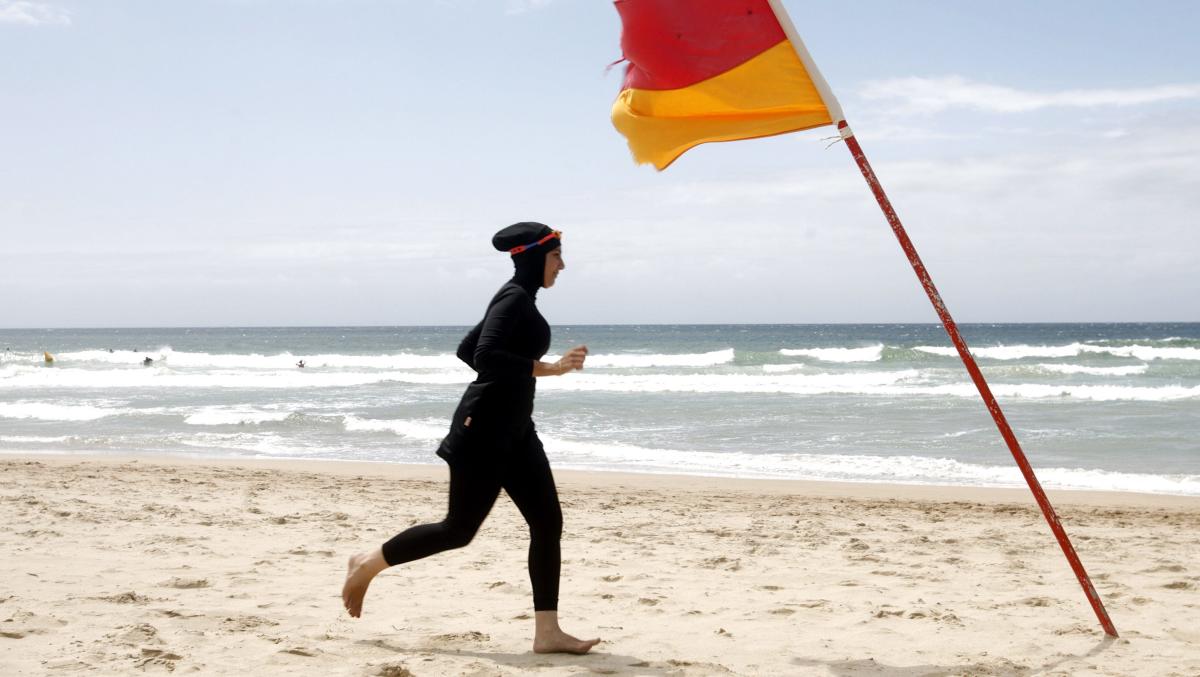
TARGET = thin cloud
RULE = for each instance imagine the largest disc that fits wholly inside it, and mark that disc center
(1162, 161)
(32, 13)
(933, 95)
(522, 6)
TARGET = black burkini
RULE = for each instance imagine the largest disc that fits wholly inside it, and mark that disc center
(492, 443)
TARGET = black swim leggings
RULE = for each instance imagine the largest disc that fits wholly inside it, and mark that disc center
(473, 491)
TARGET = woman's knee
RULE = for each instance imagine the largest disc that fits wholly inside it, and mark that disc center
(458, 534)
(549, 525)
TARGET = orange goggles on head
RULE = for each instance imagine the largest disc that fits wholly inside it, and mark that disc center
(531, 245)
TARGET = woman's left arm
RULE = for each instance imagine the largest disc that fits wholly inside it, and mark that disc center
(570, 362)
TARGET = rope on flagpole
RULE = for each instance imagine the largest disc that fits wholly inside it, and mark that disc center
(833, 141)
(985, 392)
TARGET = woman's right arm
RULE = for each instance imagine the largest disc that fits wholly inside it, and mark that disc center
(501, 321)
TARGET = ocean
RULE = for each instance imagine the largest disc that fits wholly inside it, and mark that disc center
(1095, 406)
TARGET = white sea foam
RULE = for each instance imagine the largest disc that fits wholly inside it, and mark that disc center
(851, 468)
(635, 360)
(1095, 371)
(166, 356)
(266, 444)
(964, 433)
(424, 429)
(806, 384)
(161, 377)
(283, 360)
(868, 354)
(898, 383)
(1014, 352)
(35, 439)
(572, 453)
(1017, 352)
(233, 416)
(126, 357)
(395, 361)
(1147, 353)
(1098, 393)
(937, 350)
(47, 411)
(866, 383)
(782, 368)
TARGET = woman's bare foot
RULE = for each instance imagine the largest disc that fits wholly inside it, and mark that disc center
(549, 638)
(360, 570)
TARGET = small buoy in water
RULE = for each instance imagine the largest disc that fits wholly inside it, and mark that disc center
(48, 357)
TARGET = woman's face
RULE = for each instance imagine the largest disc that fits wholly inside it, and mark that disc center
(554, 264)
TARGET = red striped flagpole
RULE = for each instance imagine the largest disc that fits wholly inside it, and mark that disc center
(977, 376)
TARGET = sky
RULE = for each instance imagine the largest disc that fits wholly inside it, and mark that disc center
(345, 162)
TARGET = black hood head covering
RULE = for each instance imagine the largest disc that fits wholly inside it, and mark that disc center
(529, 259)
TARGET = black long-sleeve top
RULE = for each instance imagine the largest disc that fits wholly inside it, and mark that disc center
(502, 349)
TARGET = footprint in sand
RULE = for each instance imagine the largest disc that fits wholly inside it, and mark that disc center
(243, 623)
(304, 551)
(184, 583)
(24, 623)
(678, 668)
(34, 533)
(129, 597)
(721, 563)
(455, 637)
(172, 613)
(157, 657)
(856, 545)
(301, 651)
(135, 635)
(145, 637)
(1076, 629)
(1173, 568)
(393, 670)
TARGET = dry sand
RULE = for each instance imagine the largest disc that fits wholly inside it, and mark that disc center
(120, 566)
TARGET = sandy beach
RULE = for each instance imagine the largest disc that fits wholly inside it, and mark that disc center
(122, 565)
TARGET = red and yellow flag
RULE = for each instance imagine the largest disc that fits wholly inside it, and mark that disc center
(713, 70)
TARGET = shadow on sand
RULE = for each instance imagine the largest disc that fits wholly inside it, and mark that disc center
(997, 667)
(596, 662)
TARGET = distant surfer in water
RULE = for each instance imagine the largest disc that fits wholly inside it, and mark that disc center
(300, 364)
(148, 361)
(492, 444)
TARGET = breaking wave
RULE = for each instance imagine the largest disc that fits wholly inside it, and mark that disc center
(868, 354)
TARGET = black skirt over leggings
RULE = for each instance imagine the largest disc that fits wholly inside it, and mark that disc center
(526, 477)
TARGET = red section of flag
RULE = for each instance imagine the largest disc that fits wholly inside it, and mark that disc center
(676, 43)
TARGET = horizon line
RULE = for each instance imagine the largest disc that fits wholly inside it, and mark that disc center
(599, 324)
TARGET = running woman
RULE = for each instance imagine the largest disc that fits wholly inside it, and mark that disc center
(492, 443)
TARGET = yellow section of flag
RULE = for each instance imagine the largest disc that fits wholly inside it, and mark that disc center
(771, 93)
